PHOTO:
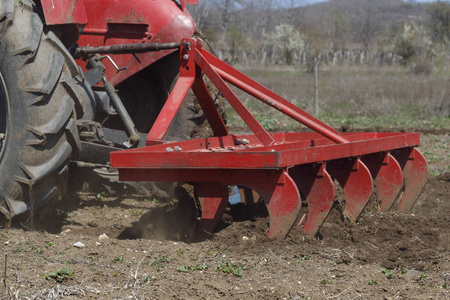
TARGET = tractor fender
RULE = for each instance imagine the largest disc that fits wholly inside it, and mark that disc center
(113, 22)
(64, 12)
(110, 22)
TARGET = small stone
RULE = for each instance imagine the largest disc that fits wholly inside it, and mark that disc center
(98, 244)
(79, 245)
(245, 239)
(103, 237)
(7, 243)
(67, 231)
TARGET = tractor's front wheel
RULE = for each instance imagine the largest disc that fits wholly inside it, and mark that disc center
(37, 110)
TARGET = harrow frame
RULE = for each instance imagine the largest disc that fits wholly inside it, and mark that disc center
(280, 167)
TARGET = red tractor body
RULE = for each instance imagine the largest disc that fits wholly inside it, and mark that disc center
(111, 22)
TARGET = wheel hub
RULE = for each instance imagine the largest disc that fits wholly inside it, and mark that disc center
(3, 116)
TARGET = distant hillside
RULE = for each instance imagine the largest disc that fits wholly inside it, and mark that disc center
(387, 11)
(247, 26)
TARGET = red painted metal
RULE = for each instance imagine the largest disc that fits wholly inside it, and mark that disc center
(64, 11)
(318, 188)
(207, 104)
(278, 165)
(268, 97)
(184, 2)
(234, 101)
(112, 22)
(415, 174)
(213, 198)
(283, 204)
(388, 177)
(355, 179)
(173, 103)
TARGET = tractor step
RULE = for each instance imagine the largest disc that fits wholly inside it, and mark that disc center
(280, 167)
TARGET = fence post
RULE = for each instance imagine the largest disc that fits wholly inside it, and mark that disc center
(316, 86)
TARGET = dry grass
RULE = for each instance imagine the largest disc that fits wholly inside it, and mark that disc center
(360, 96)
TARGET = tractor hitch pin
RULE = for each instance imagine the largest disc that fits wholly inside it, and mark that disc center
(187, 45)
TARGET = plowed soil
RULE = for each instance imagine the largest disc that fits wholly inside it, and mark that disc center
(146, 251)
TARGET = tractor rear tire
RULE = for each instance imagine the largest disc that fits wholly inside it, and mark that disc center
(38, 94)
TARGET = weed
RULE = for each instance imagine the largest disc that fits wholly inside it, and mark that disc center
(298, 259)
(115, 274)
(118, 259)
(92, 224)
(61, 275)
(445, 285)
(49, 244)
(136, 212)
(339, 275)
(422, 276)
(402, 270)
(146, 279)
(326, 281)
(161, 260)
(38, 250)
(435, 172)
(99, 196)
(210, 252)
(159, 263)
(373, 282)
(94, 256)
(172, 205)
(180, 251)
(18, 249)
(387, 272)
(230, 268)
(188, 269)
(194, 258)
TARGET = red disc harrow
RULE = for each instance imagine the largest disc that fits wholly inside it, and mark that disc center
(278, 166)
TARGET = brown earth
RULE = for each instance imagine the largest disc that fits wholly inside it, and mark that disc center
(148, 253)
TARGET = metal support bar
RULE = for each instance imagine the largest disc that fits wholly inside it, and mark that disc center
(134, 137)
(262, 94)
(228, 73)
(124, 49)
(234, 101)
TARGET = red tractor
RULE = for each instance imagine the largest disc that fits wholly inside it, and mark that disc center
(102, 84)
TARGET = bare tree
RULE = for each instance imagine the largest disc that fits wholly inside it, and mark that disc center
(337, 27)
(200, 12)
(366, 27)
